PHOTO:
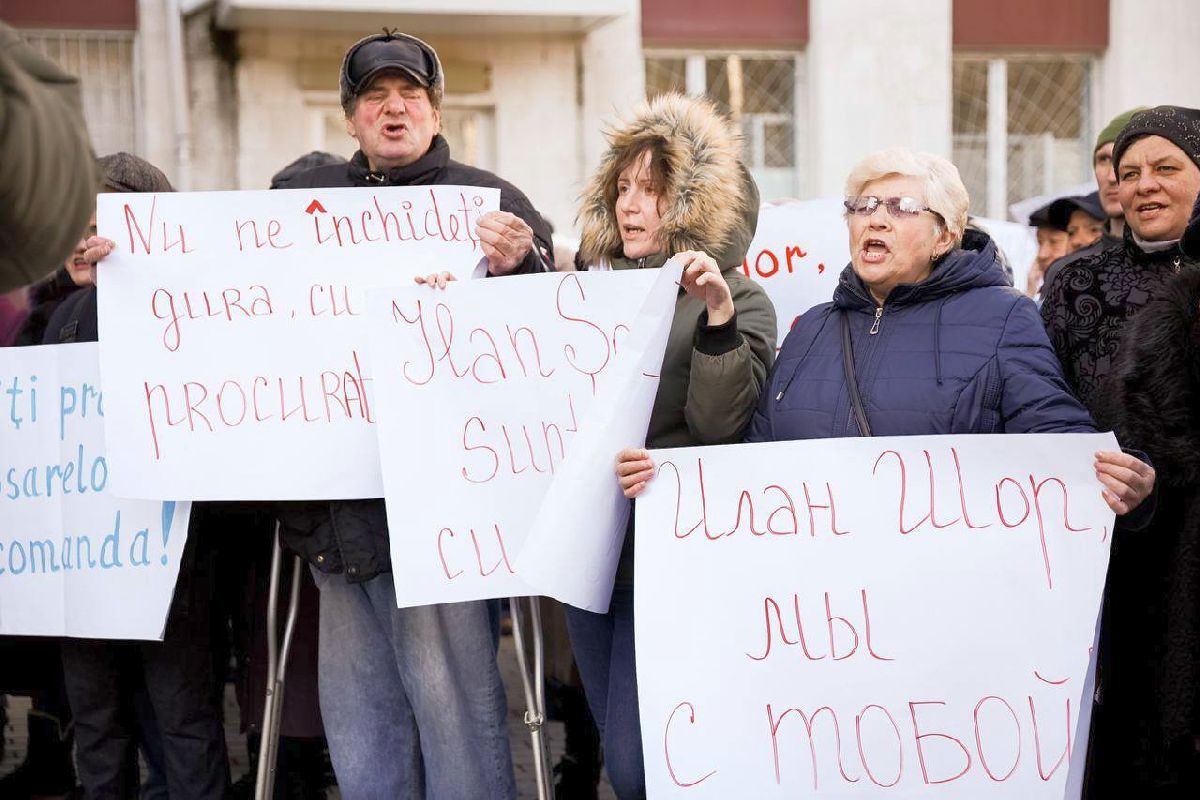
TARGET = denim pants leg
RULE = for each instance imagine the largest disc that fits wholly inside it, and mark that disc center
(604, 651)
(368, 721)
(414, 693)
(447, 659)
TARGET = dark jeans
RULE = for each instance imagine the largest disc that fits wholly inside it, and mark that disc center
(603, 645)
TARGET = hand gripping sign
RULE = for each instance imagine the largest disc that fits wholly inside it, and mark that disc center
(889, 617)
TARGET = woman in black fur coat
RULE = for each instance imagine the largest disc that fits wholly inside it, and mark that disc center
(1126, 326)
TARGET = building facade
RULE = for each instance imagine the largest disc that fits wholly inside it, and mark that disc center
(222, 93)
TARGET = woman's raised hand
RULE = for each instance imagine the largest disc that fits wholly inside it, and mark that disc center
(634, 470)
(703, 280)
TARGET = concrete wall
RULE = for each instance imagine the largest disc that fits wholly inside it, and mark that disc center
(156, 132)
(613, 81)
(213, 92)
(879, 75)
(1153, 56)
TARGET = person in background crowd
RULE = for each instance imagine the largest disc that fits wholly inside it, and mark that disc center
(1106, 186)
(1052, 244)
(1122, 323)
(14, 309)
(1082, 217)
(47, 171)
(104, 678)
(672, 184)
(46, 295)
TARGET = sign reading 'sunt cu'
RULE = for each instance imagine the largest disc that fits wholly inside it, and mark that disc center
(500, 399)
(894, 617)
(75, 560)
(232, 331)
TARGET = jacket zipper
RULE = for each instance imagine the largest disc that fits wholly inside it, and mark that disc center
(1178, 262)
(875, 325)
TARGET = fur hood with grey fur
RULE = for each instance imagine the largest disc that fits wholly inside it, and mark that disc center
(711, 202)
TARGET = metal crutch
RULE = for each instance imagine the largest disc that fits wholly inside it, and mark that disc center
(535, 689)
(277, 659)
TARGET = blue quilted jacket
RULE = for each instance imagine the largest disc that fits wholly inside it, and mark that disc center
(961, 352)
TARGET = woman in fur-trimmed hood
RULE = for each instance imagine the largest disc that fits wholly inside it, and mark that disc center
(671, 183)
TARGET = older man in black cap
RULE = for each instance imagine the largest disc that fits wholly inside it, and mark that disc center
(411, 698)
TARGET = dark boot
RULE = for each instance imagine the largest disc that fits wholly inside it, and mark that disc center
(48, 769)
(300, 773)
(577, 775)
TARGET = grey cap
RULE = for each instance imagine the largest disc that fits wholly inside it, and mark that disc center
(125, 172)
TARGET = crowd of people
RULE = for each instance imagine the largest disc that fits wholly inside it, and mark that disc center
(923, 335)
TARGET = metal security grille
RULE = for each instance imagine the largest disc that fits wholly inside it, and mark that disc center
(103, 60)
(760, 91)
(1022, 127)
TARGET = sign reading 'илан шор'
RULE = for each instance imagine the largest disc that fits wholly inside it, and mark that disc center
(890, 617)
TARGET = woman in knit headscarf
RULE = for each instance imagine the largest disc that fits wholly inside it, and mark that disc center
(1124, 324)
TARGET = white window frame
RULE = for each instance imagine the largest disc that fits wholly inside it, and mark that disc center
(997, 119)
(696, 84)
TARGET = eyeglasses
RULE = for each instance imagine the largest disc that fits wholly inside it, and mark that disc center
(898, 207)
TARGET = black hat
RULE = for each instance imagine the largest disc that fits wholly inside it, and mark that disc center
(1061, 209)
(389, 50)
(304, 163)
(1178, 124)
(1041, 218)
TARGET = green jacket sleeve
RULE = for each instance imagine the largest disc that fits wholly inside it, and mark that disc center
(723, 389)
(47, 171)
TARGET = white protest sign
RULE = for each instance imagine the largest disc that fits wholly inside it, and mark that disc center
(894, 617)
(74, 559)
(232, 331)
(801, 247)
(489, 390)
(798, 252)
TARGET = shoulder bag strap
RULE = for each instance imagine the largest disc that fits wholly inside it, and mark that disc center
(856, 402)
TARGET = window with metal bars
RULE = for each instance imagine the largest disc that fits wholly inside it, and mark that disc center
(1023, 127)
(761, 93)
(103, 60)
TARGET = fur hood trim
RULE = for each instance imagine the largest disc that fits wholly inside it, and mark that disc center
(706, 193)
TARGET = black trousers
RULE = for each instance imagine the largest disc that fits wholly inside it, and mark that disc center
(102, 678)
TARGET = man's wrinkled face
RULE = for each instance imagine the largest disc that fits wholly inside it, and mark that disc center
(393, 121)
(1082, 230)
(1052, 245)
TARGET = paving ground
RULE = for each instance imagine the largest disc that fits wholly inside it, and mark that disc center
(14, 735)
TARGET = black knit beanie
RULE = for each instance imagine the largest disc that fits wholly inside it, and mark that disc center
(1178, 124)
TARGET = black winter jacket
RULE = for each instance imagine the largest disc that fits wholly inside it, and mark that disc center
(351, 536)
